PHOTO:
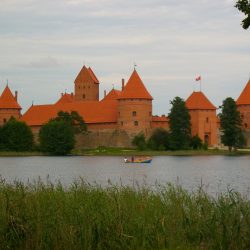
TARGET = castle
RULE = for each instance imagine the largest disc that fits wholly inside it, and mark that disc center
(121, 114)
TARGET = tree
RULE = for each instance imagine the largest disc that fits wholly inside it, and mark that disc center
(244, 7)
(57, 137)
(180, 126)
(230, 121)
(73, 119)
(159, 140)
(139, 141)
(16, 136)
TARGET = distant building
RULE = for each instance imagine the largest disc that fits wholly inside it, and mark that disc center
(121, 114)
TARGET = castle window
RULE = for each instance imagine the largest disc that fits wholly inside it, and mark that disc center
(119, 114)
(89, 87)
(121, 123)
(134, 113)
(242, 116)
(207, 120)
(245, 125)
(4, 120)
(79, 87)
(83, 96)
(136, 123)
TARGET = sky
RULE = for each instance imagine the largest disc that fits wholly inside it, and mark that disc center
(44, 44)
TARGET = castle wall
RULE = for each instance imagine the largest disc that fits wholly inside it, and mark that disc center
(160, 124)
(6, 114)
(135, 115)
(245, 116)
(204, 124)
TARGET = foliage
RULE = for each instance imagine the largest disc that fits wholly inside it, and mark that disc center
(196, 142)
(16, 136)
(73, 119)
(159, 140)
(89, 217)
(244, 7)
(180, 126)
(139, 141)
(230, 121)
(57, 137)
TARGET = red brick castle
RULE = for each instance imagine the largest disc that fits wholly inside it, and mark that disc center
(121, 114)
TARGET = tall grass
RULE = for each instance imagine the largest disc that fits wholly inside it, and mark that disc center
(40, 216)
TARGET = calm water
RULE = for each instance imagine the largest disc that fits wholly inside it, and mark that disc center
(216, 173)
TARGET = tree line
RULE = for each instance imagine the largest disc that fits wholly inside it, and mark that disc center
(57, 136)
(179, 135)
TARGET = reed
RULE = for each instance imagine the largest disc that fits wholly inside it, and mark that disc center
(83, 216)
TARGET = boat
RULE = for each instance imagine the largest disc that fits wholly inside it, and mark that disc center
(138, 160)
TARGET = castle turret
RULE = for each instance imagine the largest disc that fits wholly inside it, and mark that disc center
(135, 106)
(9, 106)
(203, 118)
(243, 104)
(86, 85)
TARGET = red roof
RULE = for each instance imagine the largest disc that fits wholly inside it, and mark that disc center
(135, 89)
(198, 101)
(8, 101)
(112, 95)
(91, 111)
(85, 74)
(244, 98)
(65, 98)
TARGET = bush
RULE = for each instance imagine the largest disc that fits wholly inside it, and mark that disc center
(16, 136)
(196, 142)
(139, 141)
(57, 137)
(159, 140)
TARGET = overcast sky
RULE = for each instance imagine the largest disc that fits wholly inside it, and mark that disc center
(44, 44)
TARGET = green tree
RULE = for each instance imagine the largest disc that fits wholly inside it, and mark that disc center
(159, 140)
(139, 141)
(73, 119)
(180, 126)
(57, 137)
(16, 136)
(244, 7)
(230, 121)
(196, 142)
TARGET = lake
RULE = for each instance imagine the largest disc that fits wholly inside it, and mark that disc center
(214, 173)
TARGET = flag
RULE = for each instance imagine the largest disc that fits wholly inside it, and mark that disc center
(198, 78)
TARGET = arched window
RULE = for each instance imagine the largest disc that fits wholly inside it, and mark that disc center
(134, 113)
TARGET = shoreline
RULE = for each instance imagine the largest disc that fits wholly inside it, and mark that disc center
(129, 152)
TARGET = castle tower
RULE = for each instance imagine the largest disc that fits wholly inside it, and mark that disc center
(135, 106)
(243, 104)
(9, 106)
(203, 118)
(86, 85)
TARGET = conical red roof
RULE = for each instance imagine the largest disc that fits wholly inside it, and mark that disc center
(135, 89)
(65, 98)
(85, 74)
(112, 95)
(7, 100)
(198, 101)
(244, 98)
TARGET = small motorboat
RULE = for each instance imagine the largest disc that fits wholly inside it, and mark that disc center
(138, 160)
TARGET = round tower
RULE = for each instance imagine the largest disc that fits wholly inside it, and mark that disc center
(135, 107)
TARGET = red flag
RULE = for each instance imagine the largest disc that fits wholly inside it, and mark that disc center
(198, 78)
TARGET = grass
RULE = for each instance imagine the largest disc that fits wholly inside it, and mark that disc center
(40, 216)
(102, 151)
